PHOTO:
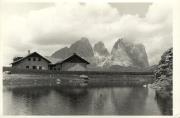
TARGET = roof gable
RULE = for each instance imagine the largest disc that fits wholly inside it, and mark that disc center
(74, 58)
(31, 55)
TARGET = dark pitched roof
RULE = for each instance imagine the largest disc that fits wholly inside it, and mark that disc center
(31, 54)
(74, 57)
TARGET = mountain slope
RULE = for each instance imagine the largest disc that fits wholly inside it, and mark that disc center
(100, 49)
(128, 54)
(81, 47)
(62, 53)
(123, 53)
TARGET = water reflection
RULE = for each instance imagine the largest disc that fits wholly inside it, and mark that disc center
(94, 101)
(76, 103)
(30, 93)
(165, 105)
(25, 98)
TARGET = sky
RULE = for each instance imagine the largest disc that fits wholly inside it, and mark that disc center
(47, 27)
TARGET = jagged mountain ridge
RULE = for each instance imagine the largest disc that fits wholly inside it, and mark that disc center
(100, 48)
(123, 53)
(82, 47)
(101, 53)
(134, 54)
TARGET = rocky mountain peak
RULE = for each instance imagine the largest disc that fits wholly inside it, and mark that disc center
(139, 56)
(84, 39)
(119, 42)
(123, 53)
(129, 54)
(100, 48)
(62, 53)
(82, 47)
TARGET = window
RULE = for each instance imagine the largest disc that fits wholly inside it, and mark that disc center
(29, 59)
(27, 67)
(34, 59)
(34, 67)
(39, 59)
(40, 67)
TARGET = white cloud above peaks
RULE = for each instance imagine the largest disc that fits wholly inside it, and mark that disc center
(63, 23)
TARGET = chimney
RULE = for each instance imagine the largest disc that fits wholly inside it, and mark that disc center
(29, 52)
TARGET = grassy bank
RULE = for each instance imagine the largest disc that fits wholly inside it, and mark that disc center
(31, 71)
(95, 80)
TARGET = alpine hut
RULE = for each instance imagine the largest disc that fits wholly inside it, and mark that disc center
(72, 63)
(31, 61)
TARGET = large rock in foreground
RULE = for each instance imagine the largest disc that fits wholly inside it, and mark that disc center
(165, 66)
(163, 83)
(163, 73)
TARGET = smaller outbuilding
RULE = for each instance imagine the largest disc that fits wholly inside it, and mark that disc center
(72, 63)
(31, 61)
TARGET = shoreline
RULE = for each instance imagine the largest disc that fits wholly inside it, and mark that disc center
(31, 71)
(94, 80)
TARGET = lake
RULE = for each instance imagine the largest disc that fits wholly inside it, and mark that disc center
(93, 101)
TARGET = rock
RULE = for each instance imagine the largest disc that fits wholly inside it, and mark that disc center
(128, 54)
(138, 55)
(123, 53)
(165, 64)
(120, 55)
(81, 47)
(62, 53)
(163, 75)
(100, 49)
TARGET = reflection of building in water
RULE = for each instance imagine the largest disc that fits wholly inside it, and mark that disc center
(27, 100)
(30, 92)
(98, 101)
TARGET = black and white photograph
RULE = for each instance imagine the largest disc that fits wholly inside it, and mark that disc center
(71, 58)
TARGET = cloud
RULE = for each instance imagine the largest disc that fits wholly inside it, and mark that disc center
(53, 27)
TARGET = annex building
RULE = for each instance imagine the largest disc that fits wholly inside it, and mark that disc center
(72, 63)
